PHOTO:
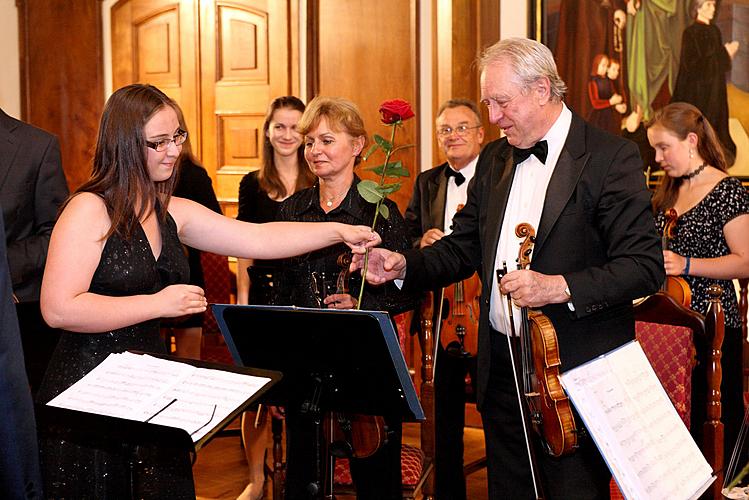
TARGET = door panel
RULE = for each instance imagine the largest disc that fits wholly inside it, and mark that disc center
(155, 41)
(222, 61)
(250, 68)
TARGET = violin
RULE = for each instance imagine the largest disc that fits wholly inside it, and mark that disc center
(550, 407)
(458, 328)
(353, 435)
(675, 286)
(460, 316)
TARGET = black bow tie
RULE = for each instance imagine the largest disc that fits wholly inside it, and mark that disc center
(540, 150)
(459, 178)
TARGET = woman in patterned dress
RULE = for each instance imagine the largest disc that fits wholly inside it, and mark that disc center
(710, 245)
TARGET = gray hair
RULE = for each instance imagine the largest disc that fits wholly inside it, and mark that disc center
(458, 102)
(530, 61)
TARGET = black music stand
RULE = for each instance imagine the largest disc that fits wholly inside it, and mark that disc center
(126, 439)
(334, 360)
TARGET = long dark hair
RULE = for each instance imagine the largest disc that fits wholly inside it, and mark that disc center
(681, 119)
(268, 177)
(120, 170)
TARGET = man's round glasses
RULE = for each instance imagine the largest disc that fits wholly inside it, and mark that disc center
(461, 130)
(161, 145)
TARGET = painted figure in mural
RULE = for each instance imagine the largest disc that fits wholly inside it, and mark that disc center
(608, 104)
(654, 30)
(605, 22)
(703, 65)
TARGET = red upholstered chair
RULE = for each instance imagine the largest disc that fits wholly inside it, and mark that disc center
(684, 349)
(220, 287)
(417, 463)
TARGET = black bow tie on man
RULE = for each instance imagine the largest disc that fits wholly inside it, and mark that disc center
(540, 150)
(459, 178)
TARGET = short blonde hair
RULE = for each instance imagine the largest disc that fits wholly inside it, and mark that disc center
(342, 116)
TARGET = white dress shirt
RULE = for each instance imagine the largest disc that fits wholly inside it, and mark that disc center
(457, 195)
(525, 204)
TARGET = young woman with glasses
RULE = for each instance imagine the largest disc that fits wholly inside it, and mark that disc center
(116, 265)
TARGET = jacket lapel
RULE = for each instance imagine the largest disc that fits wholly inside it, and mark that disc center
(438, 196)
(502, 173)
(8, 145)
(569, 167)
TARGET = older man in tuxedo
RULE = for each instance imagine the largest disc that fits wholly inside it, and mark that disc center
(596, 250)
(438, 194)
(32, 188)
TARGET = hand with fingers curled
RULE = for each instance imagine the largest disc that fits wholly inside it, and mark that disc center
(674, 263)
(431, 237)
(532, 289)
(359, 238)
(180, 300)
(384, 265)
(340, 301)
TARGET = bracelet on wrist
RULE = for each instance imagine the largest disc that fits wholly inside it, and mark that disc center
(686, 266)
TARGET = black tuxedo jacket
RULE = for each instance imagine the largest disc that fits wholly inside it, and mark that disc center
(32, 187)
(19, 459)
(596, 229)
(427, 206)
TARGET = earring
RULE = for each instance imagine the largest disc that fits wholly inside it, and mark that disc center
(691, 154)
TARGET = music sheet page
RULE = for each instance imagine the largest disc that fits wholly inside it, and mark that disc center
(148, 389)
(636, 427)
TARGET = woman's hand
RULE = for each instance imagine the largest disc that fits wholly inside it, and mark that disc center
(340, 301)
(181, 300)
(674, 263)
(359, 238)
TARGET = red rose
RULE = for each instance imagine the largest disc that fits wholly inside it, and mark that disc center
(395, 110)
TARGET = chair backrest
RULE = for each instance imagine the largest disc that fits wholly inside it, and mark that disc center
(684, 349)
(218, 286)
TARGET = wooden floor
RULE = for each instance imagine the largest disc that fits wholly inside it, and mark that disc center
(221, 471)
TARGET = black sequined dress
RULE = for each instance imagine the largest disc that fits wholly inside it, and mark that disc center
(73, 471)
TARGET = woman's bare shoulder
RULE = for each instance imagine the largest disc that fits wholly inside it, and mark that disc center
(88, 209)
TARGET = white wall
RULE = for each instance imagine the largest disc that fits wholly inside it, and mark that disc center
(514, 18)
(10, 81)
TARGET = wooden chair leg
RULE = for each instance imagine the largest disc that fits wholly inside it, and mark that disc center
(279, 468)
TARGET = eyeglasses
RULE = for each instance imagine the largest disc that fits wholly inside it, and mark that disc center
(161, 145)
(461, 130)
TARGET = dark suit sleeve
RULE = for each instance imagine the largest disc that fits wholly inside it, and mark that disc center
(413, 213)
(458, 255)
(27, 256)
(19, 459)
(625, 229)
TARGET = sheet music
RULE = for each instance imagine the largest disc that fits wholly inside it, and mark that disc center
(148, 389)
(636, 427)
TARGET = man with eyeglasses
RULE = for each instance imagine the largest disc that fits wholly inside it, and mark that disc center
(595, 251)
(438, 194)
